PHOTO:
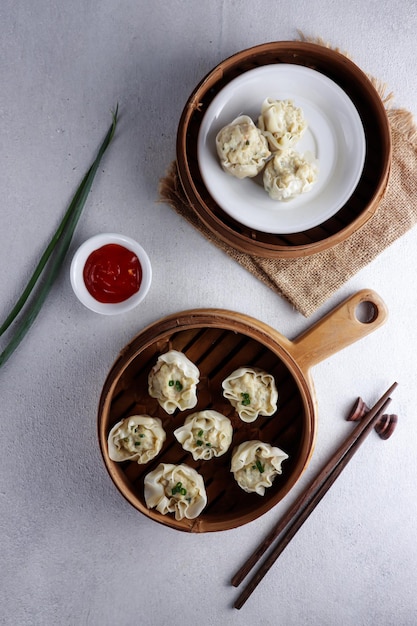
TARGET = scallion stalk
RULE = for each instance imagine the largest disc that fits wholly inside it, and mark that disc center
(54, 253)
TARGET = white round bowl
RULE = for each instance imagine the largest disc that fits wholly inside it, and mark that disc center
(77, 268)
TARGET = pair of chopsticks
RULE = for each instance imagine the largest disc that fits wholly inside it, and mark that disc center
(292, 521)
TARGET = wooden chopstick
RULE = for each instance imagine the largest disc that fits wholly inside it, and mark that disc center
(302, 508)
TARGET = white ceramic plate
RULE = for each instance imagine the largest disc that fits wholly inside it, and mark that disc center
(335, 136)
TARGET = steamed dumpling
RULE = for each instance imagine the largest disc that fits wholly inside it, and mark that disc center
(252, 392)
(289, 174)
(137, 438)
(282, 123)
(205, 434)
(177, 489)
(255, 465)
(242, 149)
(173, 382)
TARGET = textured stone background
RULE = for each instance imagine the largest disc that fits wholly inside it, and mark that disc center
(73, 551)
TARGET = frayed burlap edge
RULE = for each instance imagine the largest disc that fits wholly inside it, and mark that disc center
(306, 283)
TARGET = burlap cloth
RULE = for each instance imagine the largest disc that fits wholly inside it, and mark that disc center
(309, 281)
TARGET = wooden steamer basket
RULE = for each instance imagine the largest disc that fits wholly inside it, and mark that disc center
(372, 185)
(218, 341)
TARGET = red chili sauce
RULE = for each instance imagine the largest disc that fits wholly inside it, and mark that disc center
(112, 273)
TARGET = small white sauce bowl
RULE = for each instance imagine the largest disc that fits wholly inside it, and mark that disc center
(77, 268)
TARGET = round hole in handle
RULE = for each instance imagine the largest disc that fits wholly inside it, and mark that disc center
(366, 312)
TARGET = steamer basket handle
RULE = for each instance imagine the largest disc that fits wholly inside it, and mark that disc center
(355, 318)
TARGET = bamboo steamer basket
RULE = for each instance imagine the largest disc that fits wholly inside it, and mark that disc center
(218, 341)
(371, 187)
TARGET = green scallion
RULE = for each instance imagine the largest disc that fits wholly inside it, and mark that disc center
(245, 399)
(58, 246)
(178, 489)
(260, 467)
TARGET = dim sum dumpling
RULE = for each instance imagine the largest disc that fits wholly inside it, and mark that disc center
(173, 381)
(205, 434)
(177, 489)
(255, 465)
(242, 148)
(137, 438)
(289, 174)
(282, 123)
(252, 392)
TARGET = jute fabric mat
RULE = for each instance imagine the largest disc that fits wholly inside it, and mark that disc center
(309, 281)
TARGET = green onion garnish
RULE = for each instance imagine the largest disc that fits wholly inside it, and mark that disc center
(199, 442)
(260, 467)
(59, 245)
(178, 489)
(200, 433)
(177, 384)
(245, 399)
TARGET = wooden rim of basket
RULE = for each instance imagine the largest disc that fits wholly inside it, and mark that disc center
(159, 334)
(370, 190)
